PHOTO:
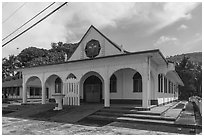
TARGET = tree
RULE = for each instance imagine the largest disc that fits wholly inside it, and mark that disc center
(27, 55)
(65, 48)
(191, 75)
(33, 56)
(9, 67)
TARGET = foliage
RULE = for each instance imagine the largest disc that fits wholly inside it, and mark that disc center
(191, 75)
(33, 56)
(195, 57)
(9, 66)
(27, 55)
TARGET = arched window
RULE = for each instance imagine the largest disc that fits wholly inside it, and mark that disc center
(137, 82)
(113, 84)
(58, 85)
(161, 82)
(159, 85)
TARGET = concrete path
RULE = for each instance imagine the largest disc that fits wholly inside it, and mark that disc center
(174, 111)
(163, 108)
(78, 113)
(187, 117)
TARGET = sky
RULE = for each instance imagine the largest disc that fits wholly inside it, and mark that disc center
(174, 28)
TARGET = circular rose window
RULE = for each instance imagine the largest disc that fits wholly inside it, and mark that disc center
(92, 48)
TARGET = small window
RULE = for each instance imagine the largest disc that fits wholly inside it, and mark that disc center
(137, 83)
(165, 85)
(58, 85)
(169, 86)
(161, 81)
(113, 84)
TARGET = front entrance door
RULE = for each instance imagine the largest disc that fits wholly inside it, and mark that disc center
(92, 89)
(92, 92)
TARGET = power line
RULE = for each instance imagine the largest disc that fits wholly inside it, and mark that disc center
(14, 12)
(35, 23)
(29, 21)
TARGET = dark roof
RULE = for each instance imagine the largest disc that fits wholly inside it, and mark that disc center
(110, 56)
(12, 83)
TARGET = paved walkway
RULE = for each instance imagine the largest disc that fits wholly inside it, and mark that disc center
(174, 112)
(187, 117)
(69, 114)
(78, 113)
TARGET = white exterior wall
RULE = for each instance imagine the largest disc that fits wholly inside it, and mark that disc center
(163, 97)
(102, 67)
(125, 85)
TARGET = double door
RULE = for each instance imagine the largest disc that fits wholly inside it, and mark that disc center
(92, 93)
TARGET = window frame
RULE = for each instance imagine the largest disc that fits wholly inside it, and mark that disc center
(137, 83)
(113, 84)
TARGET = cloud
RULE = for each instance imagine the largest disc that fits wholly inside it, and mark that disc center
(196, 39)
(153, 16)
(182, 27)
(165, 40)
(171, 13)
(70, 22)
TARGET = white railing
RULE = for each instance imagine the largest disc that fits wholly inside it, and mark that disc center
(71, 91)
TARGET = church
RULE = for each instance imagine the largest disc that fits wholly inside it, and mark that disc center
(100, 71)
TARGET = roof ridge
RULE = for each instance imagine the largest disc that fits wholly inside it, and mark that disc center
(113, 43)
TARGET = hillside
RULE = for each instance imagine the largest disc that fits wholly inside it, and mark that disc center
(195, 57)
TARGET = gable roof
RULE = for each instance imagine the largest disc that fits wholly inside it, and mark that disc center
(114, 44)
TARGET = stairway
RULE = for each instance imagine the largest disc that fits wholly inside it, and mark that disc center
(130, 115)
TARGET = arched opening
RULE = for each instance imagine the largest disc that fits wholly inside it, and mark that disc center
(34, 88)
(92, 89)
(126, 87)
(53, 85)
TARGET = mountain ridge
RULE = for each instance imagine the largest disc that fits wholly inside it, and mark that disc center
(195, 57)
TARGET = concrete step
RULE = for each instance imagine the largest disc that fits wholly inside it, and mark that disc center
(129, 111)
(127, 107)
(143, 121)
(129, 119)
(139, 116)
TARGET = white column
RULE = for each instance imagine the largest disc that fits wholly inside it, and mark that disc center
(146, 86)
(24, 91)
(78, 93)
(107, 91)
(43, 93)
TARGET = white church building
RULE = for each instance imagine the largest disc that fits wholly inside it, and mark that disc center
(100, 71)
